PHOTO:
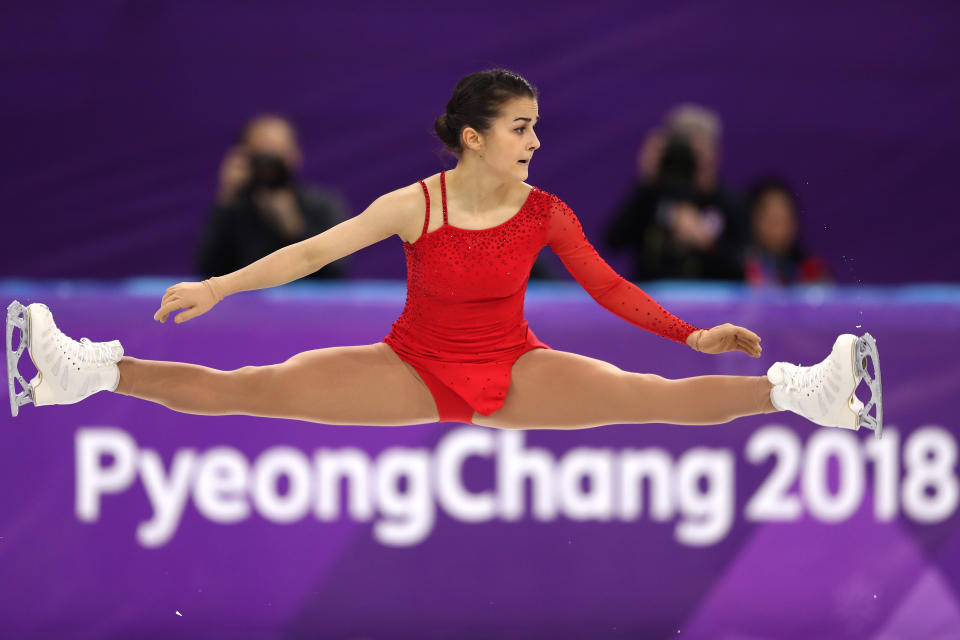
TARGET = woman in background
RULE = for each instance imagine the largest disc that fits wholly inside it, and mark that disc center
(775, 255)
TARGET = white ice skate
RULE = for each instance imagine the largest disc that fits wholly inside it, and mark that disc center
(67, 371)
(825, 393)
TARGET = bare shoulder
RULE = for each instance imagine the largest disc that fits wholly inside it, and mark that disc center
(529, 191)
(393, 213)
(406, 206)
(404, 196)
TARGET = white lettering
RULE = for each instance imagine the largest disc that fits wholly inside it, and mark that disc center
(271, 465)
(93, 480)
(167, 496)
(514, 464)
(399, 489)
(596, 466)
(410, 511)
(353, 465)
(709, 512)
(657, 466)
(452, 451)
(220, 492)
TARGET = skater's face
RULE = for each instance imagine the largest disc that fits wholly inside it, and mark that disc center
(508, 145)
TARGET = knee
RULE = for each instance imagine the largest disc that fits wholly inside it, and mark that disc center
(647, 382)
(248, 379)
(628, 387)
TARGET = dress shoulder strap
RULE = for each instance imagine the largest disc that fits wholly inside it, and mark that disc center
(443, 195)
(426, 195)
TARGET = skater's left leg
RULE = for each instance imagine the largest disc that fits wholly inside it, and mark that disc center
(551, 389)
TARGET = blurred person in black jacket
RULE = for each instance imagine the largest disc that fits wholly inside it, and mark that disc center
(679, 220)
(261, 205)
(775, 256)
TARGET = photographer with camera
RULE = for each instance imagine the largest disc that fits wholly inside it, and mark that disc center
(680, 222)
(261, 206)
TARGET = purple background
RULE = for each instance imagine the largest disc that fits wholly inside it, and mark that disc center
(63, 577)
(117, 114)
(116, 118)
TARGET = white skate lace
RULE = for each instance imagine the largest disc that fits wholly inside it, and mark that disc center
(85, 351)
(804, 378)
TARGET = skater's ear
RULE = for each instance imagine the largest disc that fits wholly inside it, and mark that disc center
(472, 139)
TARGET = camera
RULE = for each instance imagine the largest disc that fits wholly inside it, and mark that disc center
(268, 171)
(677, 170)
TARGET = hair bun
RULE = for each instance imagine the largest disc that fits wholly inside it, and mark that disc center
(442, 127)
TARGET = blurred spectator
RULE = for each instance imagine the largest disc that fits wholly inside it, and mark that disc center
(261, 205)
(775, 256)
(678, 220)
(541, 269)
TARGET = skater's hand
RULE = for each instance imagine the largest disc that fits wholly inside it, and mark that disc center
(726, 337)
(196, 297)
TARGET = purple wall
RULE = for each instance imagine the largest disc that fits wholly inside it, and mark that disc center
(861, 540)
(116, 116)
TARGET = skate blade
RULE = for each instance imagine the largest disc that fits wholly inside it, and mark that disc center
(17, 317)
(866, 347)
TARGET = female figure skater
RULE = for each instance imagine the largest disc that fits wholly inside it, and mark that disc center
(461, 350)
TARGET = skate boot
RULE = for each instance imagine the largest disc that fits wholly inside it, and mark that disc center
(825, 393)
(67, 371)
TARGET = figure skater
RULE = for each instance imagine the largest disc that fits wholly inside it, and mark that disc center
(461, 351)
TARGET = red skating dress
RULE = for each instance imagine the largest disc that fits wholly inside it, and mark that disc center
(462, 327)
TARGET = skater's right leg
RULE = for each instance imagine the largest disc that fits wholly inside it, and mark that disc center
(363, 385)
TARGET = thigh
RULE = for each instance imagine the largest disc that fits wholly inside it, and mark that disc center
(362, 385)
(552, 389)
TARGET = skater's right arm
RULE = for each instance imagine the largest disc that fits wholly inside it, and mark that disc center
(387, 215)
(396, 212)
(390, 214)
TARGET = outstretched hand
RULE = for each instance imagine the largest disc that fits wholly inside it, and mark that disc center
(726, 337)
(196, 297)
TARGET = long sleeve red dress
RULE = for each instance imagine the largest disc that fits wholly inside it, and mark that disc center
(462, 326)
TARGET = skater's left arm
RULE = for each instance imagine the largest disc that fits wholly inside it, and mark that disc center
(566, 237)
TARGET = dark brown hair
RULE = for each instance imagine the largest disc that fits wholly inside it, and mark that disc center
(476, 103)
(767, 184)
